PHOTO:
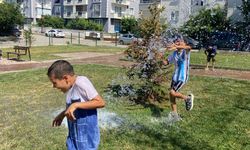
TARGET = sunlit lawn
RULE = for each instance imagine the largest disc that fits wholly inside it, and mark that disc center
(229, 60)
(46, 52)
(224, 59)
(220, 118)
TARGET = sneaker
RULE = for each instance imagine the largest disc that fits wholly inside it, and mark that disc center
(189, 102)
(173, 117)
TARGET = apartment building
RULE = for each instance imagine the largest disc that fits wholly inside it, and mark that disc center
(106, 12)
(232, 10)
(116, 9)
(177, 12)
(57, 8)
(33, 9)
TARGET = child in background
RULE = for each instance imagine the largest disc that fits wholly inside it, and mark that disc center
(210, 52)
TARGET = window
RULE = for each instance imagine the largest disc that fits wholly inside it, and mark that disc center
(202, 2)
(174, 16)
(131, 11)
(118, 10)
(96, 9)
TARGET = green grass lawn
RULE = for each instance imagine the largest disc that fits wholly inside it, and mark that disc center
(220, 118)
(46, 52)
(224, 59)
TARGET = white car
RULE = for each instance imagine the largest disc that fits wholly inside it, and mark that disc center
(128, 39)
(55, 33)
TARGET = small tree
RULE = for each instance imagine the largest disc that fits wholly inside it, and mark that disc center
(148, 74)
(28, 36)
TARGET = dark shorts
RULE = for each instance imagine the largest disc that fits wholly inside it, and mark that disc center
(176, 85)
(211, 57)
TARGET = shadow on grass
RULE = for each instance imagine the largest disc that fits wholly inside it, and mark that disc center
(156, 138)
(243, 102)
(156, 110)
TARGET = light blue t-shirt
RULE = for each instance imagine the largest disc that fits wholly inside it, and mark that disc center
(181, 61)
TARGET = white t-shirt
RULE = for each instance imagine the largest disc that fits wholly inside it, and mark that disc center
(82, 90)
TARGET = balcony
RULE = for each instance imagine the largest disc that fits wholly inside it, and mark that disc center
(57, 14)
(96, 1)
(149, 1)
(45, 6)
(120, 2)
(95, 14)
(68, 14)
(81, 2)
(81, 14)
(68, 2)
(117, 15)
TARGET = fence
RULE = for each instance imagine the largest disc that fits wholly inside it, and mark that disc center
(92, 38)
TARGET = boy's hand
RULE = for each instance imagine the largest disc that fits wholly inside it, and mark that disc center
(58, 120)
(69, 113)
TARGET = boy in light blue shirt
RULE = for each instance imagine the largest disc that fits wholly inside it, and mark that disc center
(181, 59)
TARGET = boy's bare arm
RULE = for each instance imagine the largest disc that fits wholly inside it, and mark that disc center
(183, 47)
(96, 102)
(59, 118)
(164, 61)
(171, 47)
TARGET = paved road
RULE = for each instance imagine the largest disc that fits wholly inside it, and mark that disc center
(41, 40)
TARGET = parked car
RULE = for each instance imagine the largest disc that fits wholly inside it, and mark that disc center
(16, 32)
(55, 33)
(225, 40)
(95, 35)
(127, 39)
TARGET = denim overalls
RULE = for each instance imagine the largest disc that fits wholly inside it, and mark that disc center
(84, 132)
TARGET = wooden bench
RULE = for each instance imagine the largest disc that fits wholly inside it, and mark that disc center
(19, 50)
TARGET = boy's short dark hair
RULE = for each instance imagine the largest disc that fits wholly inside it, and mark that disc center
(60, 68)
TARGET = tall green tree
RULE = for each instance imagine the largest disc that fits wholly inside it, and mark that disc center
(51, 21)
(129, 24)
(84, 24)
(243, 27)
(245, 10)
(205, 22)
(10, 16)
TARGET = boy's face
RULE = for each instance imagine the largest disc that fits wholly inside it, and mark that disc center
(177, 42)
(61, 84)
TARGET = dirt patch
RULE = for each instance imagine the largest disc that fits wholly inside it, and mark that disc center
(82, 55)
(5, 61)
(115, 60)
(235, 74)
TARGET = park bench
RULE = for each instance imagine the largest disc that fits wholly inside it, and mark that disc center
(19, 51)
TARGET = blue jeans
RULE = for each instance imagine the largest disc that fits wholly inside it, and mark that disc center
(84, 132)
